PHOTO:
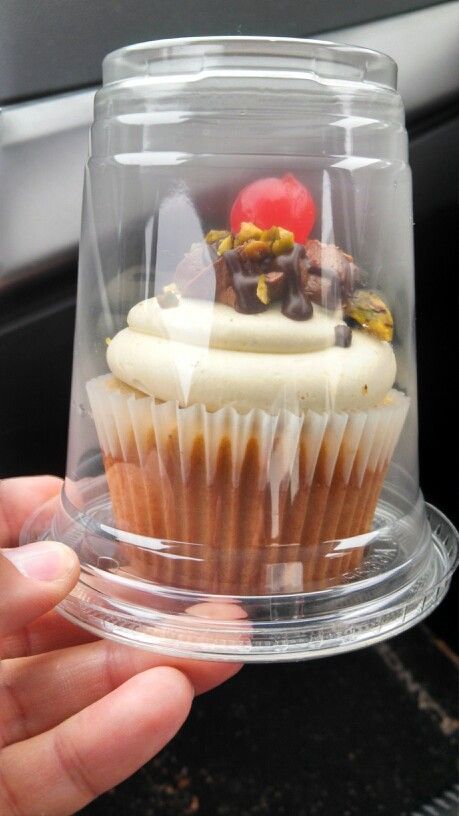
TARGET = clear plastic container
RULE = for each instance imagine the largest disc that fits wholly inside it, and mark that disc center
(242, 478)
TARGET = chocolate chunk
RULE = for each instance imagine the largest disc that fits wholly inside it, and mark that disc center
(195, 273)
(297, 256)
(283, 278)
(328, 260)
(223, 277)
(275, 284)
(325, 292)
(202, 273)
(227, 297)
(343, 335)
(353, 278)
(168, 299)
(244, 280)
(233, 278)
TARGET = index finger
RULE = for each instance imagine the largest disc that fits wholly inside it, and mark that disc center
(95, 749)
(19, 498)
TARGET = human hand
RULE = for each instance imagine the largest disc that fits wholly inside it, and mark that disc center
(77, 715)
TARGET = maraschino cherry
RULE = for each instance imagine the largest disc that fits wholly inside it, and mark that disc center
(281, 202)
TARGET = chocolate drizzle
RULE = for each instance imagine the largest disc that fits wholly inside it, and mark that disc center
(244, 278)
(295, 303)
(245, 275)
(296, 277)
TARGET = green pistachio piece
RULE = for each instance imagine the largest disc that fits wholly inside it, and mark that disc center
(283, 244)
(225, 245)
(256, 250)
(247, 232)
(262, 290)
(216, 235)
(368, 309)
(270, 235)
(284, 233)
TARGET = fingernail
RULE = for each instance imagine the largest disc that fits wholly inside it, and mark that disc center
(43, 560)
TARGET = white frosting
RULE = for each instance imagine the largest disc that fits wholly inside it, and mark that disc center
(204, 323)
(201, 352)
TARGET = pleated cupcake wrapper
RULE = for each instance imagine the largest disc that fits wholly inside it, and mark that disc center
(238, 503)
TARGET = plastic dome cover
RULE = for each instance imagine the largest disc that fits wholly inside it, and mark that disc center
(242, 475)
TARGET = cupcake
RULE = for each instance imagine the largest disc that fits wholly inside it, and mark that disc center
(249, 418)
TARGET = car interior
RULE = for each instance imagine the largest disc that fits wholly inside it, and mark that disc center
(50, 58)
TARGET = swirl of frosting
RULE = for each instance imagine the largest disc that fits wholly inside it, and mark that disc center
(201, 352)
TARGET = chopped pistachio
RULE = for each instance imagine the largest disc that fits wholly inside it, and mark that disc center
(284, 233)
(169, 297)
(270, 235)
(247, 231)
(225, 245)
(216, 235)
(283, 244)
(368, 309)
(171, 287)
(255, 250)
(262, 290)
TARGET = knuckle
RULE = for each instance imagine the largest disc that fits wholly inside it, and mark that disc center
(16, 644)
(13, 719)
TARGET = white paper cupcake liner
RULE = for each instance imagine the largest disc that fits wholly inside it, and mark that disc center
(256, 502)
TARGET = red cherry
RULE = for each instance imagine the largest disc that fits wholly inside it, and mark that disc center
(276, 202)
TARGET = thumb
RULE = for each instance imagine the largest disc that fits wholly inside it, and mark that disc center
(33, 579)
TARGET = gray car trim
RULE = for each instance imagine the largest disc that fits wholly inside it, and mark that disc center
(50, 46)
(44, 144)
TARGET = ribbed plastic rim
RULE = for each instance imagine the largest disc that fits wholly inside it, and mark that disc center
(137, 59)
(363, 629)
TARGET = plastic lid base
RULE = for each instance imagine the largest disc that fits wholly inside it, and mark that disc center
(219, 629)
